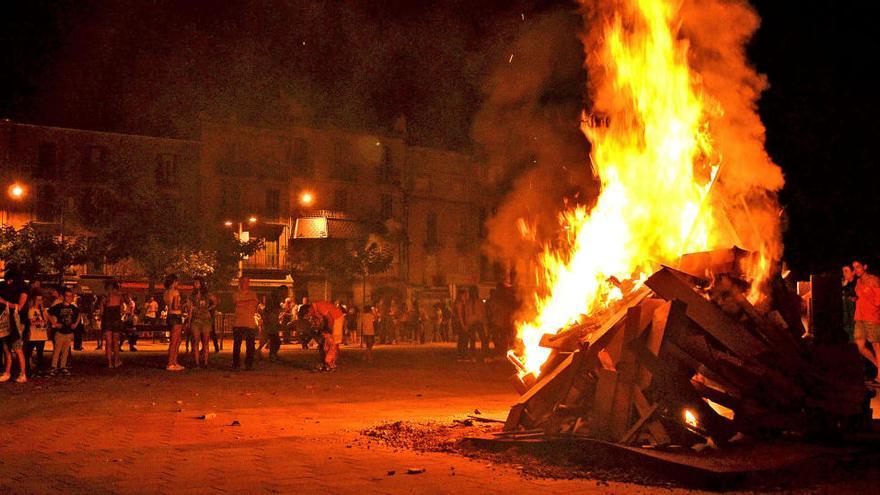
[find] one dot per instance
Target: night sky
(159, 67)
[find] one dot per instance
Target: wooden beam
(715, 262)
(598, 337)
(638, 424)
(569, 339)
(654, 340)
(627, 366)
(661, 437)
(706, 314)
(514, 417)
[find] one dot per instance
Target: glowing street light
(17, 191)
(306, 199)
(243, 236)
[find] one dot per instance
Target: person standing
(867, 314)
(13, 300)
(244, 327)
(151, 311)
(382, 325)
(351, 329)
(367, 330)
(471, 316)
(393, 321)
(64, 318)
(447, 326)
(174, 307)
(272, 319)
(37, 332)
(98, 326)
(203, 304)
(462, 316)
(436, 323)
(85, 301)
(111, 323)
(288, 315)
(11, 341)
(129, 321)
(305, 330)
(848, 291)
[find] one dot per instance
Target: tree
(132, 216)
(33, 252)
(372, 258)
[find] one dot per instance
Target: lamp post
(16, 192)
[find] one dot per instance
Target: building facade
(306, 191)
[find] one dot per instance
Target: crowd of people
(31, 316)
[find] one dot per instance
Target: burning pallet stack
(688, 359)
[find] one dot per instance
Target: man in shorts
(867, 316)
(367, 329)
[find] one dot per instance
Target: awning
(333, 228)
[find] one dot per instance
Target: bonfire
(664, 313)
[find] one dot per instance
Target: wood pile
(687, 360)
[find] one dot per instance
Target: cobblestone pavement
(137, 429)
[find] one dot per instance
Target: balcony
(270, 261)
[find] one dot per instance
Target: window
(482, 225)
(386, 172)
(340, 200)
(47, 161)
(299, 158)
(432, 238)
(229, 201)
(45, 206)
(386, 208)
(166, 169)
(342, 167)
(270, 248)
(273, 203)
(94, 164)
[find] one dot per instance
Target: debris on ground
(552, 461)
(415, 470)
(208, 416)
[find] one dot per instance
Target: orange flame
(654, 156)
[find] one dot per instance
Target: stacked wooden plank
(688, 359)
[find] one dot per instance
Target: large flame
(654, 155)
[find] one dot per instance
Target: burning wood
(669, 365)
(645, 328)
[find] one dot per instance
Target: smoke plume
(529, 145)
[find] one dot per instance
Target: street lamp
(306, 198)
(17, 191)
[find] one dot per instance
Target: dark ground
(359, 430)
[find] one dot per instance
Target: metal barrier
(222, 325)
